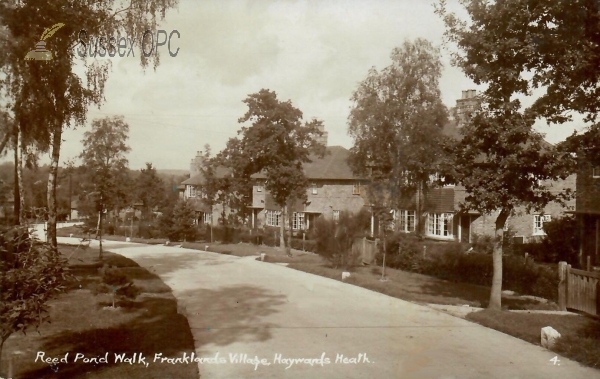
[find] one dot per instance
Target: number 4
(555, 360)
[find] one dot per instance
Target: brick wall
(588, 189)
(330, 196)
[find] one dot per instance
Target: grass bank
(580, 336)
(87, 324)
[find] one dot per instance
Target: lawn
(580, 336)
(87, 324)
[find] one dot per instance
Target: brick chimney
(466, 105)
(323, 138)
(195, 164)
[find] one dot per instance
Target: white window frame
(298, 221)
(336, 215)
(314, 189)
(440, 224)
(356, 189)
(191, 191)
(538, 224)
(407, 220)
(207, 218)
(273, 218)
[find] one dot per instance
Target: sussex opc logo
(40, 53)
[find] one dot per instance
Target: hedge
(519, 274)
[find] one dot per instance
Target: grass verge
(85, 324)
(580, 336)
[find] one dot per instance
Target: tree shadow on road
(231, 314)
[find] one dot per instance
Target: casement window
(207, 218)
(273, 218)
(406, 219)
(596, 172)
(538, 223)
(439, 224)
(336, 215)
(356, 189)
(192, 191)
(298, 221)
(313, 188)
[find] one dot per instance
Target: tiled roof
(198, 180)
(333, 165)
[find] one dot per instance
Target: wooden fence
(365, 249)
(578, 289)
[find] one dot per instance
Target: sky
(313, 53)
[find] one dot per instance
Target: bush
(117, 284)
(451, 263)
(402, 252)
(31, 273)
(306, 245)
(562, 240)
(334, 240)
(226, 234)
(483, 243)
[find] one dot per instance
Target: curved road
(239, 306)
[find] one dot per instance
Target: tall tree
(518, 46)
(507, 46)
(148, 189)
(396, 122)
(105, 147)
(503, 164)
(276, 143)
(47, 96)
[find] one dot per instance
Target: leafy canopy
(105, 147)
(396, 121)
(276, 143)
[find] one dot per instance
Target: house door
(465, 226)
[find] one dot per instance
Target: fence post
(303, 237)
(589, 265)
(562, 285)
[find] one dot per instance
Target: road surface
(250, 319)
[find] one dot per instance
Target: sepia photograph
(232, 189)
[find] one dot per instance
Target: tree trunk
(282, 230)
(16, 188)
(19, 207)
(496, 291)
(419, 211)
(100, 229)
(51, 195)
(288, 246)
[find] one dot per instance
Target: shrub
(117, 284)
(226, 234)
(31, 273)
(451, 263)
(334, 240)
(402, 252)
(561, 242)
(483, 243)
(177, 224)
(306, 245)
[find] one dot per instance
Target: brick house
(191, 190)
(441, 205)
(588, 211)
(333, 188)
